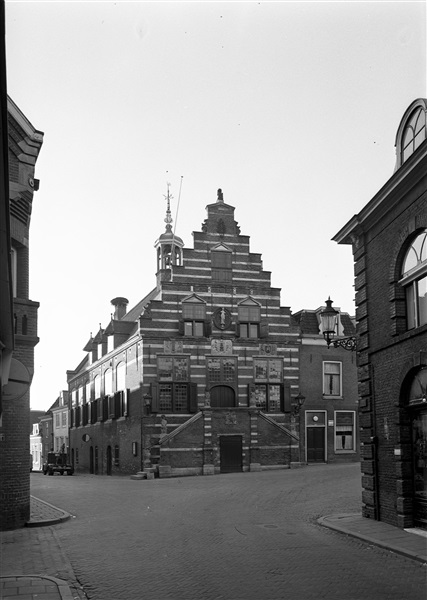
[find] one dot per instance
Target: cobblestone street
(248, 536)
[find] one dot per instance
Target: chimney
(120, 305)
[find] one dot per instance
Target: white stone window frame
(328, 395)
(340, 450)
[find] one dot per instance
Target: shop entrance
(419, 445)
(230, 447)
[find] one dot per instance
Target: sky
(291, 108)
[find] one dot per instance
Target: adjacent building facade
(389, 240)
(24, 144)
(202, 375)
(329, 417)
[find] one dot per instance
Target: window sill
(331, 397)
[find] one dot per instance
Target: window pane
(332, 379)
(165, 368)
(344, 431)
(410, 306)
(229, 368)
(274, 398)
(120, 376)
(422, 301)
(221, 259)
(253, 330)
(198, 329)
(261, 397)
(275, 370)
(108, 382)
(188, 327)
(243, 330)
(249, 313)
(193, 311)
(332, 367)
(97, 382)
(214, 369)
(165, 398)
(261, 369)
(180, 369)
(180, 398)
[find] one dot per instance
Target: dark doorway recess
(223, 396)
(315, 444)
(231, 453)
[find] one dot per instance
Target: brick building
(329, 422)
(60, 425)
(389, 240)
(199, 377)
(24, 144)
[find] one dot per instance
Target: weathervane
(168, 219)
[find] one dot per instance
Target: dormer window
(414, 280)
(414, 133)
(193, 316)
(249, 319)
(411, 132)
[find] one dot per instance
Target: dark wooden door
(315, 444)
(222, 396)
(230, 453)
(109, 460)
(91, 469)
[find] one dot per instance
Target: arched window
(121, 376)
(108, 382)
(413, 134)
(412, 131)
(97, 386)
(414, 280)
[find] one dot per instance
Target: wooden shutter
(181, 327)
(282, 398)
(263, 330)
(251, 392)
(105, 408)
(287, 398)
(207, 328)
(154, 397)
(193, 397)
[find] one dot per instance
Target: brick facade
(392, 351)
(209, 354)
(24, 147)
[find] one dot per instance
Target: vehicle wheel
(44, 472)
(50, 472)
(62, 472)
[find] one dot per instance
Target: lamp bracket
(348, 343)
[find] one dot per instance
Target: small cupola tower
(168, 247)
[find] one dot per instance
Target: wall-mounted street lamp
(300, 399)
(329, 318)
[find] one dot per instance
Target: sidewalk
(411, 543)
(14, 585)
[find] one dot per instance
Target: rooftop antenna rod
(174, 228)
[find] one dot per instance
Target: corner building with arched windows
(389, 240)
(201, 376)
